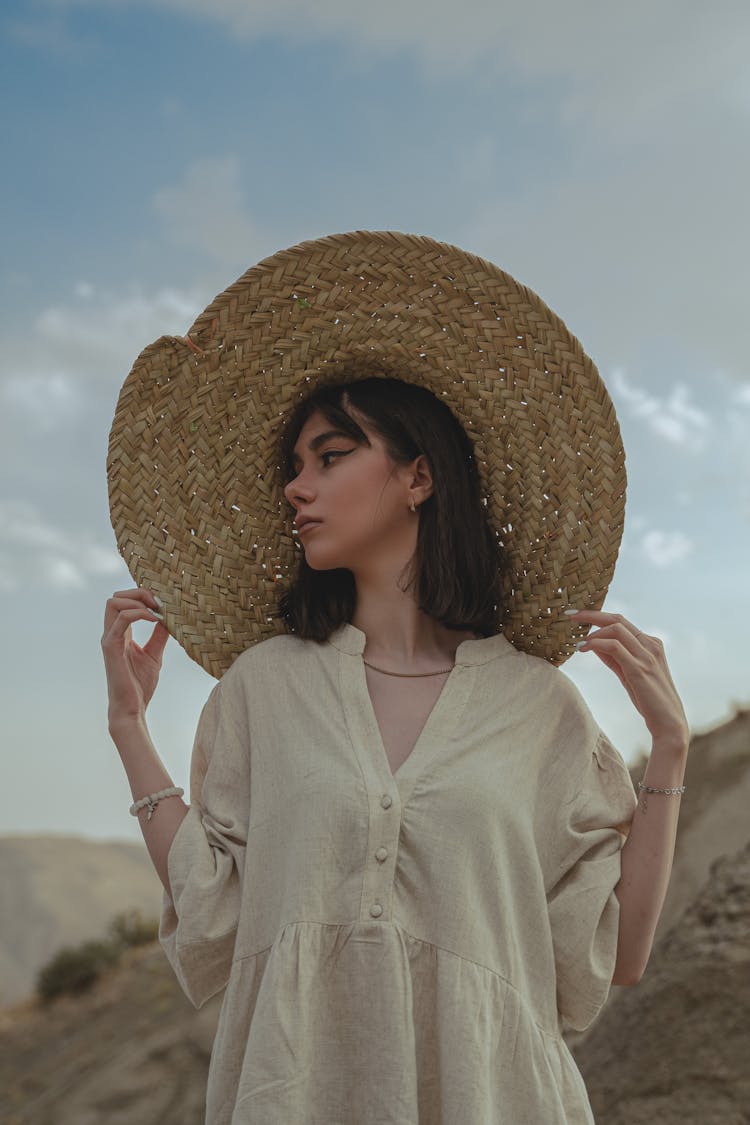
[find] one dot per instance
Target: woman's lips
(309, 526)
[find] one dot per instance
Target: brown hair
(459, 562)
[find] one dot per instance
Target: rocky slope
(674, 1048)
(133, 1051)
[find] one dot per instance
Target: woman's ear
(421, 475)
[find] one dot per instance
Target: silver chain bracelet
(153, 800)
(678, 791)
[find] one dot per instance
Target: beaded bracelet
(153, 800)
(678, 791)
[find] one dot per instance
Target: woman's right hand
(132, 671)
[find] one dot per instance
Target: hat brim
(196, 496)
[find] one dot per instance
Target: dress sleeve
(584, 911)
(205, 864)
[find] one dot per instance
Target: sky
(154, 151)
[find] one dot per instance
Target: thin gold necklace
(407, 675)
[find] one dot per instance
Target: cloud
(50, 35)
(206, 211)
(58, 391)
(109, 324)
(585, 173)
(665, 548)
(636, 62)
(673, 417)
(46, 401)
(61, 376)
(60, 370)
(35, 551)
(741, 395)
(634, 245)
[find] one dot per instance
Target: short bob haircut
(459, 562)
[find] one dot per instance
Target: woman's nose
(296, 491)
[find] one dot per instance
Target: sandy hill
(59, 891)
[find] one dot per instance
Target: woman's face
(360, 497)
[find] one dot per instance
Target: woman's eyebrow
(318, 441)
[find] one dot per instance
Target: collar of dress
(349, 639)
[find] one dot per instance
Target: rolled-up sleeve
(584, 911)
(206, 861)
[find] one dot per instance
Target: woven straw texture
(196, 496)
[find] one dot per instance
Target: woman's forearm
(647, 856)
(147, 774)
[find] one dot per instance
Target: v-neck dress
(397, 948)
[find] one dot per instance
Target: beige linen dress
(397, 949)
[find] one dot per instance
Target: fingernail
(158, 601)
(569, 611)
(580, 644)
(159, 615)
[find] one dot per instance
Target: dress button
(381, 854)
(386, 801)
(376, 910)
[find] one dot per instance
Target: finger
(614, 646)
(138, 592)
(154, 646)
(597, 617)
(122, 612)
(138, 596)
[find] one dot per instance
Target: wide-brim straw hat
(195, 491)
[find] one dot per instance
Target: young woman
(410, 855)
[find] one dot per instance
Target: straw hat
(196, 499)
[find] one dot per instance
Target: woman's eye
(328, 453)
(331, 453)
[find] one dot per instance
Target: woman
(409, 854)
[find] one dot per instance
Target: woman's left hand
(638, 660)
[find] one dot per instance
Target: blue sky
(154, 151)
